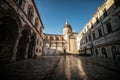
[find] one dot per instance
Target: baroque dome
(68, 26)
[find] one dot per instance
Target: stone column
(14, 50)
(33, 52)
(26, 51)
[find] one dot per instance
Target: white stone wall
(107, 40)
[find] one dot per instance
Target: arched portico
(8, 38)
(23, 46)
(32, 47)
(104, 52)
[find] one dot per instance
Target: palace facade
(20, 30)
(55, 44)
(101, 35)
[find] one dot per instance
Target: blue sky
(54, 13)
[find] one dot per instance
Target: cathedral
(65, 43)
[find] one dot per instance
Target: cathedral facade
(55, 44)
(20, 30)
(101, 35)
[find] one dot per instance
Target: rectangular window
(93, 36)
(87, 27)
(82, 33)
(97, 20)
(105, 13)
(91, 25)
(109, 27)
(85, 30)
(30, 15)
(100, 33)
(89, 38)
(21, 3)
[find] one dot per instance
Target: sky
(55, 13)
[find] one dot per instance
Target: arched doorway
(8, 35)
(115, 51)
(104, 52)
(64, 51)
(31, 52)
(23, 45)
(64, 48)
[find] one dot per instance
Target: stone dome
(67, 26)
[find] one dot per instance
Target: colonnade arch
(8, 35)
(104, 52)
(23, 45)
(32, 46)
(16, 42)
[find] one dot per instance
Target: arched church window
(30, 12)
(57, 38)
(62, 38)
(51, 38)
(36, 22)
(21, 3)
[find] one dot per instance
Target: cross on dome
(66, 22)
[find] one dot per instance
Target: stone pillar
(14, 50)
(33, 52)
(26, 51)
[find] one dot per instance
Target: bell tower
(67, 31)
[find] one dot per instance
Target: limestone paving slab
(28, 69)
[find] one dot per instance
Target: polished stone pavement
(65, 67)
